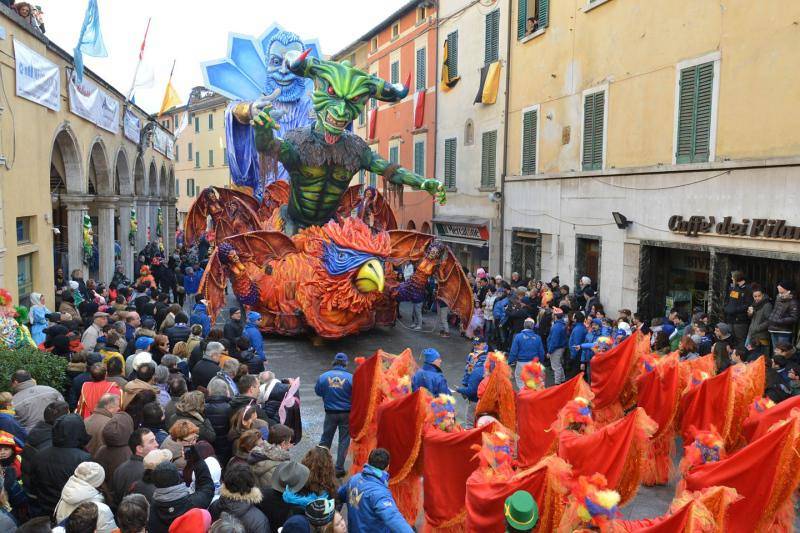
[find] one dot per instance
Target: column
(171, 221)
(153, 218)
(142, 210)
(105, 237)
(75, 212)
(124, 209)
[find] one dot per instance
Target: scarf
(8, 411)
(171, 494)
(301, 500)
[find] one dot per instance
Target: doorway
(587, 260)
(526, 254)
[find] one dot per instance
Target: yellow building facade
(56, 167)
(659, 112)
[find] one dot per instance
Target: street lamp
(621, 220)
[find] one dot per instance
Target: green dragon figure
(322, 158)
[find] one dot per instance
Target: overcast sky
(191, 32)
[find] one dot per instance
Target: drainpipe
(435, 109)
(505, 139)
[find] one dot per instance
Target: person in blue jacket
(335, 387)
(576, 338)
(252, 332)
(370, 505)
(191, 282)
(598, 345)
(499, 313)
(556, 344)
(200, 314)
(479, 347)
(526, 346)
(430, 376)
(470, 390)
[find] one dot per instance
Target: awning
(468, 242)
(466, 230)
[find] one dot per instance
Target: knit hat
(341, 358)
(521, 511)
(155, 458)
(148, 323)
(430, 355)
(233, 310)
(91, 473)
(141, 358)
(320, 512)
(787, 285)
(192, 521)
(296, 524)
(7, 439)
(725, 329)
(143, 343)
(166, 475)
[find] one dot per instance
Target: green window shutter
(211, 158)
(529, 133)
(177, 153)
(373, 179)
(593, 109)
(361, 118)
(421, 69)
(197, 124)
(197, 160)
(225, 156)
(491, 49)
(361, 176)
(694, 114)
(394, 154)
(210, 121)
(488, 159)
(189, 157)
(395, 72)
(177, 187)
(419, 158)
(450, 163)
(452, 54)
(522, 17)
(543, 13)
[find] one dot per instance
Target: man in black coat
(40, 437)
(205, 370)
(180, 331)
(234, 326)
(218, 411)
(738, 299)
(54, 465)
(172, 498)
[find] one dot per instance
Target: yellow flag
(171, 98)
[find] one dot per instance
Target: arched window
(469, 133)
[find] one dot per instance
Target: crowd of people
(32, 14)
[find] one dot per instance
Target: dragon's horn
(297, 64)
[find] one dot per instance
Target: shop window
(587, 260)
(488, 159)
(526, 254)
(593, 130)
(24, 276)
(694, 113)
(492, 42)
(24, 230)
(532, 15)
(450, 146)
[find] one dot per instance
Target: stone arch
(152, 179)
(426, 228)
(65, 158)
(99, 171)
(122, 174)
(411, 225)
(139, 181)
(162, 182)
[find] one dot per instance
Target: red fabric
(364, 390)
(675, 523)
(708, 404)
(658, 393)
(611, 371)
(419, 108)
(91, 393)
(448, 461)
(704, 364)
(606, 451)
(764, 472)
(756, 425)
(373, 121)
(536, 412)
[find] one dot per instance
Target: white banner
(87, 100)
(38, 79)
(163, 142)
(132, 126)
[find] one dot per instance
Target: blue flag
(90, 41)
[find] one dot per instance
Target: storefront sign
(132, 126)
(755, 228)
(38, 79)
(89, 101)
(478, 233)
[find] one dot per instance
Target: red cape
(708, 404)
(448, 460)
(611, 380)
(757, 424)
(765, 473)
(536, 412)
(658, 393)
(365, 399)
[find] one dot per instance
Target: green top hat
(521, 511)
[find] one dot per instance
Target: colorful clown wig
(760, 405)
(575, 415)
(443, 408)
(496, 454)
(603, 344)
(595, 504)
(532, 375)
(707, 447)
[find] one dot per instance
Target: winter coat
(335, 387)
(29, 401)
(192, 283)
(499, 309)
(200, 316)
(737, 301)
(277, 510)
(242, 506)
(240, 401)
(759, 322)
(263, 460)
(255, 365)
(558, 336)
(40, 437)
(516, 313)
(526, 346)
(470, 390)
(177, 333)
(370, 505)
(78, 491)
(55, 465)
(94, 427)
(207, 432)
(233, 329)
(163, 513)
(273, 402)
(218, 412)
(784, 314)
(203, 372)
(10, 424)
(430, 377)
(115, 449)
(252, 332)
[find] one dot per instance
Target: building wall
(395, 123)
(456, 109)
(29, 133)
(635, 53)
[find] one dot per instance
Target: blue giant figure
(255, 71)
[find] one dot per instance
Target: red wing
(349, 201)
(383, 216)
(408, 245)
(257, 247)
(276, 195)
(228, 195)
(196, 220)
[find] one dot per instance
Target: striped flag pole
(141, 56)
